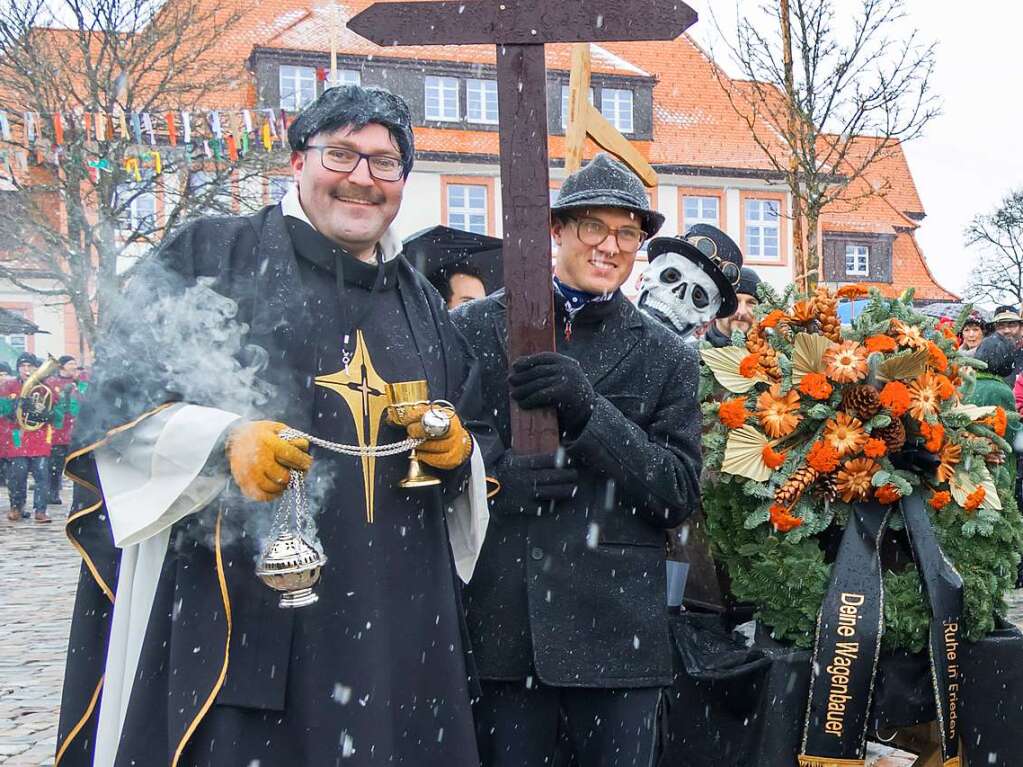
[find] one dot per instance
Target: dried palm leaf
(744, 454)
(724, 364)
(903, 367)
(808, 355)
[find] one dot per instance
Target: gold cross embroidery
(365, 393)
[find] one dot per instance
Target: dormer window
(442, 99)
(481, 101)
(297, 87)
(616, 106)
(857, 260)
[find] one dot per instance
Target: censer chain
(369, 451)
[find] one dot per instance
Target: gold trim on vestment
(497, 487)
(81, 723)
(227, 647)
(107, 591)
(829, 761)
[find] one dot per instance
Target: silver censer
(291, 562)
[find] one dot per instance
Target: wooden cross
(520, 29)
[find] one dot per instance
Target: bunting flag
(232, 148)
(86, 124)
(267, 137)
(100, 124)
(271, 120)
(30, 127)
(122, 124)
(147, 122)
(131, 165)
(247, 120)
(206, 148)
(245, 143)
(186, 127)
(136, 127)
(154, 161)
(5, 127)
(58, 128)
(215, 124)
(172, 131)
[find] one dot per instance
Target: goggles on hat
(709, 248)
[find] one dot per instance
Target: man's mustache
(360, 194)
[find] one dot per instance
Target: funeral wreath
(805, 417)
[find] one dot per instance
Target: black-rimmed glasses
(593, 232)
(339, 159)
(709, 248)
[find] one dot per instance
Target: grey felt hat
(606, 183)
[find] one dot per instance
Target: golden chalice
(405, 399)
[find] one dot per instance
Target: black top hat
(606, 183)
(729, 301)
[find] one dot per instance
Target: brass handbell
(403, 397)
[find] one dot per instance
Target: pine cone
(795, 486)
(757, 344)
(828, 487)
(862, 401)
(826, 306)
(894, 435)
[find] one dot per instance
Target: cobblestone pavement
(38, 573)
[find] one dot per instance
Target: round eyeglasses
(382, 167)
(593, 232)
(709, 248)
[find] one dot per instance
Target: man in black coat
(566, 609)
(719, 331)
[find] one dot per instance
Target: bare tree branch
(75, 225)
(998, 278)
(854, 98)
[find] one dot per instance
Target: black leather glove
(549, 379)
(530, 482)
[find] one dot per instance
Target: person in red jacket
(28, 451)
(67, 388)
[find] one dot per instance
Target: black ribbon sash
(849, 629)
(944, 589)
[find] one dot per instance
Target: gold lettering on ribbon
(951, 636)
(839, 669)
(365, 393)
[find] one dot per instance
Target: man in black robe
(566, 609)
(301, 314)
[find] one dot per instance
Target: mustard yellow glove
(447, 452)
(260, 460)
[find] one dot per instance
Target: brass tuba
(35, 403)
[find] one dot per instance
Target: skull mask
(676, 292)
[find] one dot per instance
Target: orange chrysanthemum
(933, 434)
(822, 457)
(936, 357)
(803, 312)
(772, 457)
(851, 292)
(908, 336)
(940, 500)
(750, 365)
(924, 399)
(875, 448)
(815, 385)
(778, 413)
(887, 494)
(997, 421)
(974, 499)
(895, 397)
(853, 480)
(846, 362)
(845, 433)
(782, 520)
(946, 389)
(881, 344)
(733, 412)
(772, 319)
(950, 456)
